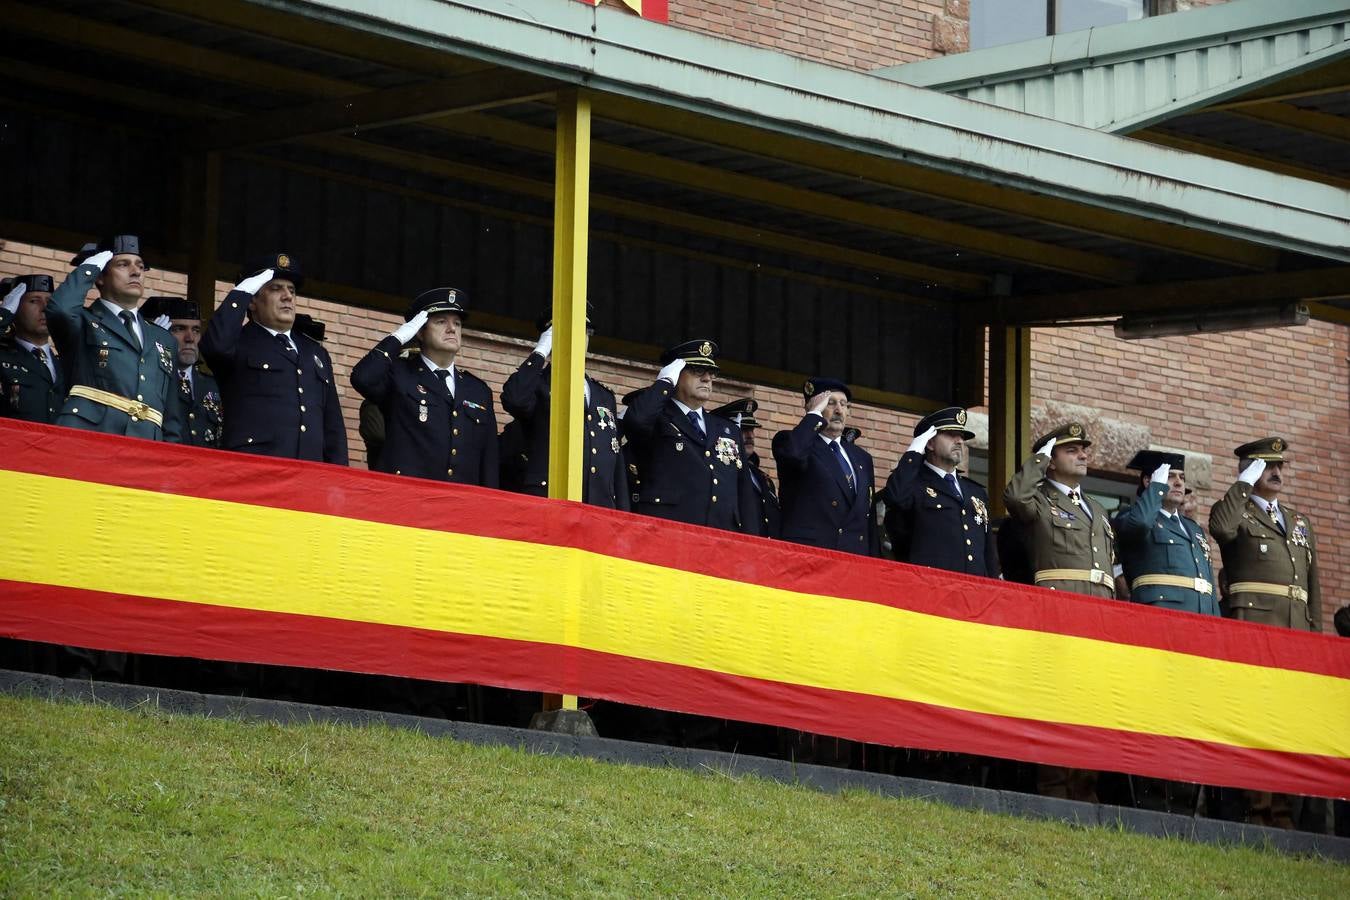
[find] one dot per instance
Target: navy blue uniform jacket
(527, 397)
(277, 403)
(685, 478)
(929, 525)
(428, 433)
(819, 509)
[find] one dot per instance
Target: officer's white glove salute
(545, 345)
(818, 408)
(1252, 473)
(251, 284)
(1160, 474)
(408, 330)
(98, 260)
(1047, 448)
(920, 443)
(163, 321)
(11, 302)
(671, 372)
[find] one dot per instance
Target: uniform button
(454, 452)
(1169, 540)
(543, 484)
(714, 481)
(142, 377)
(834, 502)
(234, 306)
(190, 415)
(298, 372)
(139, 397)
(707, 453)
(592, 433)
(454, 413)
(1094, 549)
(714, 499)
(588, 418)
(593, 472)
(656, 500)
(965, 527)
(302, 428)
(967, 542)
(74, 409)
(302, 407)
(970, 558)
(301, 390)
(250, 440)
(594, 451)
(449, 471)
(710, 467)
(841, 531)
(939, 506)
(265, 366)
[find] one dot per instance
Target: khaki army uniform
(1271, 575)
(1069, 553)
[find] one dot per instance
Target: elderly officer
(935, 516)
(199, 392)
(742, 412)
(526, 395)
(692, 463)
(438, 418)
(1165, 556)
(1269, 553)
(826, 488)
(121, 368)
(32, 385)
(280, 394)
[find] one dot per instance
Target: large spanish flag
(129, 545)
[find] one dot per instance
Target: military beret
(1068, 433)
(545, 319)
(742, 412)
(813, 387)
(851, 435)
(1148, 460)
(42, 284)
(119, 244)
(309, 326)
(173, 307)
(1271, 449)
(439, 300)
(698, 353)
(953, 418)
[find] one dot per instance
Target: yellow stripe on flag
(310, 564)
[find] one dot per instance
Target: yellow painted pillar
(1009, 406)
(571, 224)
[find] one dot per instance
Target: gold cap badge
(705, 349)
(961, 417)
(283, 261)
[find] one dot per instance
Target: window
(994, 22)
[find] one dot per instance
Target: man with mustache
(935, 516)
(278, 385)
(826, 486)
(691, 462)
(121, 368)
(199, 392)
(32, 385)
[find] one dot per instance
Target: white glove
(545, 345)
(251, 284)
(1252, 473)
(163, 321)
(408, 330)
(1161, 474)
(11, 302)
(920, 443)
(1047, 448)
(98, 260)
(671, 372)
(818, 408)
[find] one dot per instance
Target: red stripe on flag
(142, 625)
(391, 499)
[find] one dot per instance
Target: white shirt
(46, 354)
(1270, 508)
(689, 409)
(437, 370)
(135, 318)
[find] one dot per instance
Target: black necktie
(843, 463)
(285, 345)
(698, 426)
(955, 485)
(42, 358)
(449, 383)
(129, 319)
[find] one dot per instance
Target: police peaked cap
(698, 353)
(439, 300)
(819, 385)
(284, 266)
(1148, 460)
(742, 412)
(953, 418)
(118, 244)
(173, 307)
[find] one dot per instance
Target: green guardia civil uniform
(119, 384)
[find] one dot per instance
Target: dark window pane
(1075, 15)
(994, 22)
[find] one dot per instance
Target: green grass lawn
(96, 800)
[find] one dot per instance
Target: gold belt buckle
(1298, 593)
(138, 410)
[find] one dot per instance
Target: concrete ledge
(821, 778)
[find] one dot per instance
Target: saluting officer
(691, 462)
(199, 392)
(934, 515)
(1269, 553)
(826, 488)
(280, 394)
(1165, 555)
(1072, 544)
(742, 412)
(121, 368)
(438, 418)
(527, 396)
(32, 385)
